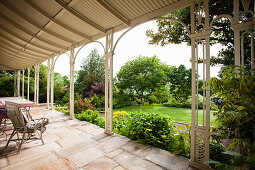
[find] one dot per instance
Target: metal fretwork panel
(109, 82)
(200, 46)
(200, 147)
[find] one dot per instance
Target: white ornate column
(109, 82)
(15, 83)
(243, 26)
(72, 62)
(236, 33)
(48, 84)
(52, 84)
(18, 83)
(35, 82)
(200, 49)
(28, 76)
(23, 78)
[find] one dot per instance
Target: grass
(176, 114)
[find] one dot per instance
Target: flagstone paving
(73, 144)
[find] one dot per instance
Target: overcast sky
(133, 44)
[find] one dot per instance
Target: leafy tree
(142, 76)
(235, 118)
(170, 32)
(6, 84)
(180, 83)
(92, 71)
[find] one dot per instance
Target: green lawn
(176, 114)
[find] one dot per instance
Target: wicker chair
(22, 125)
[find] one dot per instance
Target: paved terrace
(74, 144)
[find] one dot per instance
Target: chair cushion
(40, 124)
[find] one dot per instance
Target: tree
(180, 83)
(92, 71)
(142, 76)
(170, 32)
(6, 84)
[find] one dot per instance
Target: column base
(200, 166)
(108, 132)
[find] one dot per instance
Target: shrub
(81, 105)
(92, 117)
(148, 128)
(89, 116)
(182, 141)
(216, 153)
(120, 115)
(63, 110)
(97, 102)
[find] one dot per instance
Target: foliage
(148, 128)
(81, 105)
(172, 102)
(180, 83)
(170, 32)
(92, 71)
(120, 115)
(123, 98)
(216, 153)
(176, 114)
(98, 102)
(98, 89)
(236, 116)
(142, 76)
(6, 84)
(92, 117)
(64, 110)
(182, 141)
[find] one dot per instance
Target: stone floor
(74, 144)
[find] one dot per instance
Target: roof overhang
(32, 31)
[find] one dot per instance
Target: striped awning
(31, 31)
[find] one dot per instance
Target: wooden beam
(26, 40)
(28, 19)
(80, 16)
(38, 9)
(113, 11)
(31, 34)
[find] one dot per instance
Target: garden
(151, 99)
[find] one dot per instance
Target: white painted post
(15, 83)
(72, 83)
(109, 82)
(35, 81)
(28, 76)
(52, 83)
(200, 134)
(252, 51)
(23, 78)
(48, 84)
(18, 83)
(38, 78)
(193, 141)
(236, 34)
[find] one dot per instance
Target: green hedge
(92, 117)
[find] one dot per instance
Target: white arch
(85, 45)
(167, 18)
(222, 16)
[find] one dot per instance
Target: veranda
(35, 31)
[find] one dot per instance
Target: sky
(133, 44)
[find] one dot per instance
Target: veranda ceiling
(33, 30)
